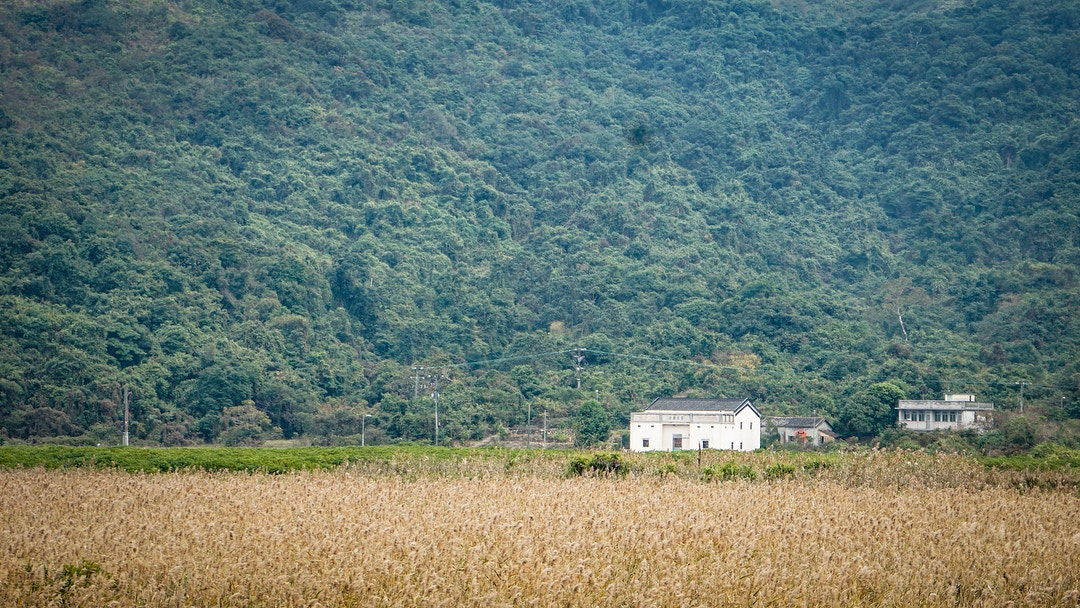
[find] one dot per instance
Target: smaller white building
(803, 430)
(675, 423)
(956, 412)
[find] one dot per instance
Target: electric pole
(435, 396)
(528, 427)
(416, 381)
(1021, 383)
(579, 364)
(127, 415)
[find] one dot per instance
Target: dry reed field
(350, 537)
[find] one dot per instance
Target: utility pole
(579, 364)
(416, 380)
(528, 428)
(1021, 383)
(127, 415)
(435, 395)
(545, 429)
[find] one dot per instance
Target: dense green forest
(264, 216)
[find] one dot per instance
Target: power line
(487, 362)
(782, 373)
(675, 361)
(984, 382)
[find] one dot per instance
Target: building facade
(803, 430)
(956, 413)
(675, 423)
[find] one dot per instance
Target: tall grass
(870, 529)
(1052, 467)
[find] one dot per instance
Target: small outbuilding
(677, 423)
(803, 430)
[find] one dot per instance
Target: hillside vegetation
(260, 216)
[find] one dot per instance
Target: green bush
(605, 465)
(819, 463)
(779, 470)
(728, 471)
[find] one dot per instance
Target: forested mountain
(261, 215)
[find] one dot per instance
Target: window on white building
(740, 426)
(676, 442)
(740, 445)
(644, 443)
(704, 444)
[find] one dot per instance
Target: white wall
(746, 431)
(707, 431)
(653, 431)
(965, 419)
(813, 436)
(719, 435)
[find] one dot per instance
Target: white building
(956, 412)
(690, 424)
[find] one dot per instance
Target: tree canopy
(291, 206)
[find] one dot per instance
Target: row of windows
(920, 416)
(677, 443)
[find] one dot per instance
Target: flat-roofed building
(956, 412)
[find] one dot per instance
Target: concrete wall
(813, 435)
(965, 419)
(746, 432)
(660, 429)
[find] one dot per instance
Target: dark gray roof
(799, 422)
(681, 404)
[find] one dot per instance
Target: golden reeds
(348, 537)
